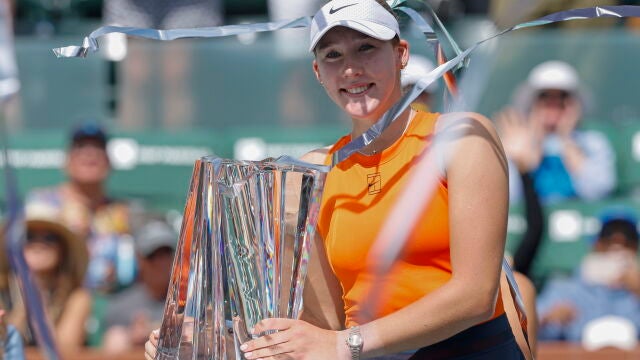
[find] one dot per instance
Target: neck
(92, 195)
(390, 135)
(46, 280)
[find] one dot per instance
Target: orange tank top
(358, 195)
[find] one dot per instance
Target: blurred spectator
(10, 341)
(540, 136)
(507, 13)
(607, 283)
(163, 14)
(132, 314)
(418, 67)
(88, 211)
(171, 64)
(291, 43)
(57, 259)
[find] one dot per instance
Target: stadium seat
(571, 226)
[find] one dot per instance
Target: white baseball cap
(365, 16)
(614, 331)
(554, 74)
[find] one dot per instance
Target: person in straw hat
(57, 259)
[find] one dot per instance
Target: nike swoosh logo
(333, 11)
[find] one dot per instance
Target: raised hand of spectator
(630, 278)
(570, 117)
(561, 314)
(521, 139)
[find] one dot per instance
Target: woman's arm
(478, 204)
(70, 329)
(477, 182)
(323, 305)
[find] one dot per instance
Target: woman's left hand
(295, 339)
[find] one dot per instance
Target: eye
(332, 54)
(365, 47)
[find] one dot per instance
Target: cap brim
(369, 28)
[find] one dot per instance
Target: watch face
(354, 340)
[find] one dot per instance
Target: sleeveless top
(358, 195)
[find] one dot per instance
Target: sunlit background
(166, 104)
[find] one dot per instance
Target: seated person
(57, 259)
(606, 283)
(134, 312)
(10, 341)
(541, 136)
(86, 208)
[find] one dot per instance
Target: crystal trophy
(242, 253)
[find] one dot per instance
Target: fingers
(153, 337)
(149, 350)
(509, 120)
(270, 345)
(278, 351)
(272, 324)
(150, 347)
(265, 341)
(287, 356)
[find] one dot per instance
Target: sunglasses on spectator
(43, 237)
(554, 95)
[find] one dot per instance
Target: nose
(352, 68)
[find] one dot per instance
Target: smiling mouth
(358, 89)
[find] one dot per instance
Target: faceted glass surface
(242, 253)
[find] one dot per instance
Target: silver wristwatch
(354, 342)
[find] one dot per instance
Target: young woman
(442, 294)
(57, 258)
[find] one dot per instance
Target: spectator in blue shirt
(606, 283)
(541, 136)
(11, 341)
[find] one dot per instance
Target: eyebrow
(323, 44)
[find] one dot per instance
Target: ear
(403, 53)
(316, 71)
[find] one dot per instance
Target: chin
(91, 179)
(370, 113)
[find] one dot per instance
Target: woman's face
(359, 73)
(43, 251)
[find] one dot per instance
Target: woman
(57, 259)
(446, 281)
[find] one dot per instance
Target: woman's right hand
(151, 345)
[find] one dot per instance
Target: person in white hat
(541, 136)
(441, 297)
(417, 68)
(133, 312)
